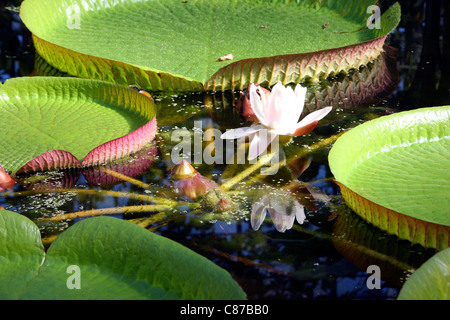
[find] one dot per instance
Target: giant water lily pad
(178, 45)
(112, 258)
(51, 123)
(394, 172)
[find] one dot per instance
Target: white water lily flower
(278, 115)
(282, 208)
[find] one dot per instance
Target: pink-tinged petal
(305, 129)
(292, 110)
(244, 106)
(6, 182)
(122, 146)
(51, 160)
(283, 109)
(260, 141)
(258, 104)
(240, 132)
(274, 108)
(264, 97)
(294, 105)
(314, 116)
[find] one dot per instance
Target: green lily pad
(431, 281)
(52, 123)
(178, 45)
(113, 259)
(394, 172)
(21, 253)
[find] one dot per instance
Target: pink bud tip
(183, 170)
(6, 182)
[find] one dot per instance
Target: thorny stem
(117, 210)
(125, 178)
(116, 194)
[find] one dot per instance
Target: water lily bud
(189, 183)
(6, 182)
(244, 106)
(217, 200)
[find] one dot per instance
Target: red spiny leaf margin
(295, 68)
(105, 153)
(51, 160)
(123, 146)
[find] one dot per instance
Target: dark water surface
(326, 257)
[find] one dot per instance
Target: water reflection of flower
(282, 208)
(285, 205)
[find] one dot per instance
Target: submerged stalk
(125, 178)
(247, 172)
(116, 194)
(117, 210)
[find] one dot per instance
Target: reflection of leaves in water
(46, 204)
(49, 180)
(361, 89)
(173, 109)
